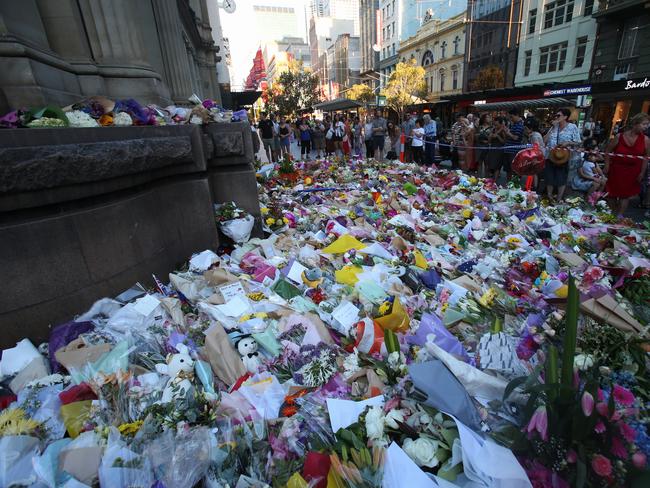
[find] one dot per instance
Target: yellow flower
(581, 239)
(473, 180)
(285, 220)
(383, 179)
(384, 308)
(465, 202)
(487, 298)
(130, 429)
(467, 213)
(264, 210)
(15, 422)
(270, 221)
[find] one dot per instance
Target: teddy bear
(180, 369)
(247, 348)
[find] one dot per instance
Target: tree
(404, 86)
(361, 93)
(293, 91)
(488, 78)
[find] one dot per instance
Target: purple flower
(539, 422)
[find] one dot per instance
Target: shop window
(630, 42)
(527, 62)
(589, 7)
(552, 58)
(581, 51)
(557, 13)
(532, 20)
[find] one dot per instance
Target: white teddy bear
(180, 369)
(247, 347)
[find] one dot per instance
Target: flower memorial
(392, 326)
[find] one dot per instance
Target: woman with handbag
(626, 170)
(560, 139)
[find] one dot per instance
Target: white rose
(375, 423)
(583, 362)
(122, 119)
(422, 451)
(393, 417)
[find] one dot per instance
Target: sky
(239, 28)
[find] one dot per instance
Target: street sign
(381, 101)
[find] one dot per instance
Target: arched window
(454, 77)
(442, 80)
(412, 56)
(456, 45)
(443, 49)
(427, 58)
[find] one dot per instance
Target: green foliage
(294, 90)
(405, 85)
(361, 93)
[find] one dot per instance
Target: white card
(146, 305)
(346, 314)
(295, 273)
(236, 307)
(344, 413)
(231, 290)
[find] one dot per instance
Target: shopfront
(619, 100)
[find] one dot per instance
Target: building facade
(370, 47)
(156, 52)
(439, 47)
(492, 41)
(557, 42)
(620, 73)
(347, 62)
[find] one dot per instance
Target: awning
(338, 104)
(245, 98)
(534, 103)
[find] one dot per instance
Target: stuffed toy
(180, 369)
(247, 348)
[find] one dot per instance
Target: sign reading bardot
(572, 90)
(637, 84)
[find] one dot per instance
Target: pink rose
(623, 396)
(639, 460)
(601, 465)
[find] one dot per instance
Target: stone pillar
(113, 33)
(175, 59)
(65, 30)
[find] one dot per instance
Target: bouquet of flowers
(234, 222)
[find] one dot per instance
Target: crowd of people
(484, 145)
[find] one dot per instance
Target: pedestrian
(407, 129)
(483, 142)
(458, 131)
(305, 139)
(395, 144)
(339, 132)
(626, 171)
(285, 138)
(589, 127)
(598, 131)
(367, 136)
(378, 135)
(346, 143)
(417, 142)
(534, 136)
(357, 137)
(514, 140)
(496, 140)
(318, 138)
(276, 137)
(430, 133)
(267, 131)
(589, 177)
(566, 135)
(329, 136)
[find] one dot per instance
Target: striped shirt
(517, 131)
